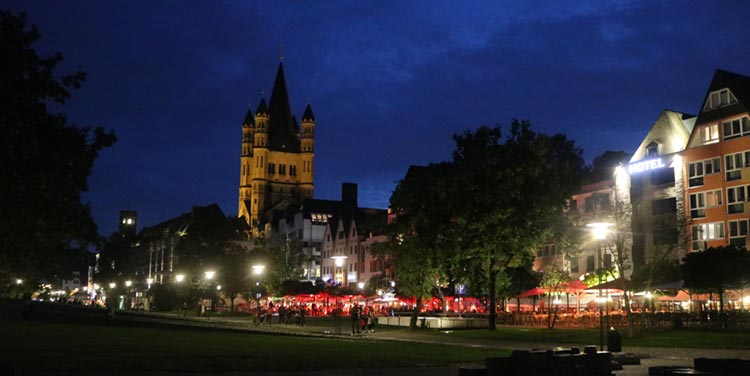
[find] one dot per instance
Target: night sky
(389, 81)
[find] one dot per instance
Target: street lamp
(128, 283)
(258, 269)
(600, 230)
(149, 281)
(210, 274)
(179, 278)
(338, 260)
(19, 282)
(112, 285)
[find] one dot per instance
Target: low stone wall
(436, 322)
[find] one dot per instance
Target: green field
(40, 347)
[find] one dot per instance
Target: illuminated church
(277, 161)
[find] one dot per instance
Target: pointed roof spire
(308, 115)
(249, 118)
(262, 108)
(281, 132)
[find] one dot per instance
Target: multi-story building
(650, 192)
(304, 227)
(716, 166)
(276, 165)
(348, 238)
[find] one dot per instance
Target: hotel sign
(647, 165)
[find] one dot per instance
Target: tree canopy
(480, 215)
(46, 160)
(716, 270)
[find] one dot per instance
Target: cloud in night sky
(390, 82)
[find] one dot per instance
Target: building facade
(716, 166)
(277, 160)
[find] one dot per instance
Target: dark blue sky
(389, 82)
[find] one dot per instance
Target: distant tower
(276, 165)
(128, 222)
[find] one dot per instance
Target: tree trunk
(415, 314)
(628, 313)
(493, 287)
(231, 302)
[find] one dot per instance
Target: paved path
(650, 356)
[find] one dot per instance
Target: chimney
(349, 194)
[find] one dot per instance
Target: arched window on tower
(652, 150)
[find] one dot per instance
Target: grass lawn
(692, 338)
(41, 347)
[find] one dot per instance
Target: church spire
(278, 107)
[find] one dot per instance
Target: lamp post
(599, 231)
(179, 278)
(19, 282)
(258, 271)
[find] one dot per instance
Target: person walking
(354, 314)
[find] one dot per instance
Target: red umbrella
(574, 286)
(533, 292)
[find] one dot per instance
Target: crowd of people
(363, 319)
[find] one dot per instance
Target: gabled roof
(671, 131)
(738, 84)
(281, 134)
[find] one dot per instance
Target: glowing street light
(600, 230)
(179, 278)
(19, 281)
(128, 283)
(360, 285)
(258, 269)
(149, 281)
(112, 285)
(210, 274)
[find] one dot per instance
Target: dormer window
(652, 150)
(719, 98)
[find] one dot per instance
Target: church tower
(276, 164)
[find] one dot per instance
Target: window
(733, 163)
(271, 168)
(698, 205)
(664, 206)
(738, 232)
(292, 170)
(589, 204)
(652, 150)
(589, 264)
(282, 169)
(709, 134)
(719, 98)
(736, 127)
(607, 261)
(736, 198)
(341, 234)
(574, 265)
(573, 205)
(696, 170)
(706, 231)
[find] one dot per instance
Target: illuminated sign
(648, 165)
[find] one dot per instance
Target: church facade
(277, 161)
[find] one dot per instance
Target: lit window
(709, 134)
(706, 231)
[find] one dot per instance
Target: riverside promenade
(650, 356)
